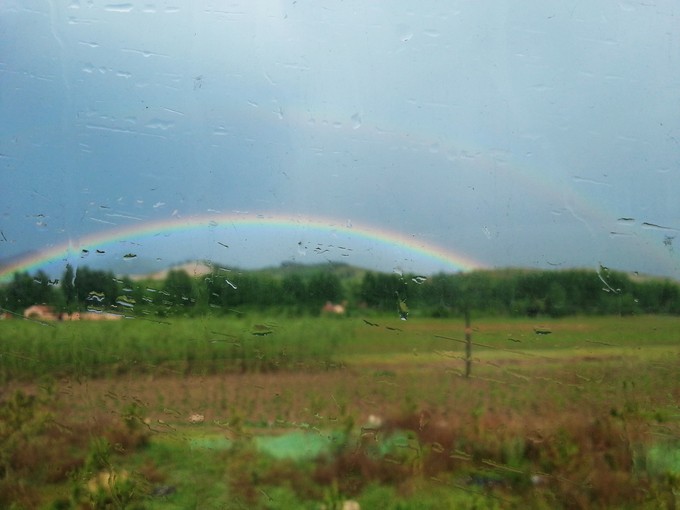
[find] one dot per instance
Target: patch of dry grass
(555, 425)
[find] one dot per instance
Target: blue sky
(515, 134)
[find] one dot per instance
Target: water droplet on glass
(356, 121)
(668, 242)
(438, 448)
(161, 124)
(402, 307)
(405, 33)
(118, 7)
(96, 296)
(129, 303)
(261, 330)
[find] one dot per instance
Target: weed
(556, 424)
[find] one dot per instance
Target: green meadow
(258, 411)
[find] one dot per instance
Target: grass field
(271, 412)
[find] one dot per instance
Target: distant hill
(199, 268)
(340, 269)
(195, 268)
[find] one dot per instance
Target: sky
(429, 136)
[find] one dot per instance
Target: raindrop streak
(261, 330)
(231, 284)
(607, 288)
(161, 124)
(402, 307)
(118, 7)
(96, 296)
(125, 303)
(668, 242)
(657, 227)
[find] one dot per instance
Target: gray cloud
(518, 135)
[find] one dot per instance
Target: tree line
(510, 292)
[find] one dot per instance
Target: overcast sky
(534, 133)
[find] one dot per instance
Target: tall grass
(207, 345)
(29, 350)
(585, 417)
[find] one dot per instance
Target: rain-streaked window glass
(340, 255)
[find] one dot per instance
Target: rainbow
(245, 231)
(390, 247)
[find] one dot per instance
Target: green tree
(378, 290)
(178, 289)
(95, 288)
(440, 294)
(131, 298)
(68, 288)
(324, 286)
(294, 292)
(669, 298)
(556, 301)
(25, 290)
